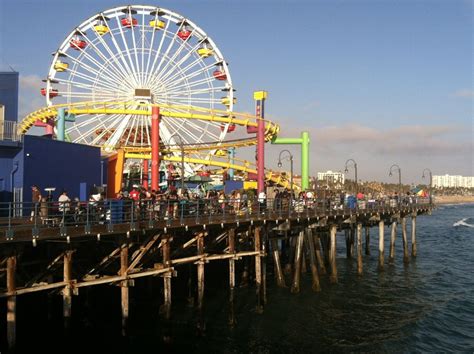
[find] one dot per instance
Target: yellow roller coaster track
(177, 112)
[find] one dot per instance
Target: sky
(382, 82)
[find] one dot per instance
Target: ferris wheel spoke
(197, 83)
(136, 56)
(162, 76)
(178, 71)
(102, 84)
(118, 70)
(90, 88)
(133, 70)
(165, 55)
(181, 45)
(203, 129)
(151, 70)
(187, 77)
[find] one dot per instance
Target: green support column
(61, 123)
(304, 142)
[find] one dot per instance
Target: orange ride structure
(143, 82)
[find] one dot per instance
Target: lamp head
(390, 174)
(279, 163)
(423, 175)
(346, 170)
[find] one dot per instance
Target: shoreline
(454, 199)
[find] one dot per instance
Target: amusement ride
(131, 79)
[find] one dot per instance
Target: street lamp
(291, 166)
(431, 180)
(399, 180)
(181, 145)
(355, 171)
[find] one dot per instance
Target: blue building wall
(53, 163)
(9, 94)
(7, 171)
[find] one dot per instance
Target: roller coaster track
(176, 112)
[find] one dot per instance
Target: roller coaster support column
(145, 174)
(304, 142)
(231, 152)
(155, 147)
(61, 123)
(260, 97)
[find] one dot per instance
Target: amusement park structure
(132, 79)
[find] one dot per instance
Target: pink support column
(145, 174)
(155, 148)
(260, 97)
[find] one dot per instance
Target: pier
(137, 242)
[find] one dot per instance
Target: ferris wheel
(140, 54)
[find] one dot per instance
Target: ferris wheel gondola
(141, 54)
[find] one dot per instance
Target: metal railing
(8, 131)
(171, 211)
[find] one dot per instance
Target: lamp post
(399, 180)
(431, 181)
(181, 145)
(355, 171)
(291, 167)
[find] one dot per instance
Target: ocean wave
(463, 222)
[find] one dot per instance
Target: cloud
(30, 98)
(464, 93)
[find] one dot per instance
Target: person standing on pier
(35, 200)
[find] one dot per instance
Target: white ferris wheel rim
(125, 65)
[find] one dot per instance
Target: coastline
(454, 199)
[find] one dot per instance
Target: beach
(454, 199)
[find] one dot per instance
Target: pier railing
(36, 216)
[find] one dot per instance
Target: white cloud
(30, 97)
(464, 93)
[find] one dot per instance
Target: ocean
(424, 306)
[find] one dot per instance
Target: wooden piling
(280, 279)
(67, 291)
(258, 269)
(413, 235)
(359, 249)
(405, 240)
(166, 249)
(348, 243)
(312, 259)
(332, 255)
(291, 253)
(231, 235)
(352, 236)
(264, 264)
(11, 302)
(124, 290)
(367, 240)
(200, 281)
(295, 286)
(393, 235)
(381, 244)
(319, 257)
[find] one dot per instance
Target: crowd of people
(141, 203)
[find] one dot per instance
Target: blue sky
(382, 82)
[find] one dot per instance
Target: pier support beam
(166, 248)
(295, 286)
(405, 240)
(312, 259)
(348, 243)
(393, 235)
(413, 235)
(319, 256)
(200, 281)
(381, 244)
(359, 249)
(124, 290)
(277, 263)
(231, 235)
(332, 254)
(11, 302)
(67, 291)
(352, 237)
(258, 268)
(367, 240)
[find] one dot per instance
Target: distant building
(9, 95)
(8, 105)
(455, 181)
(331, 177)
